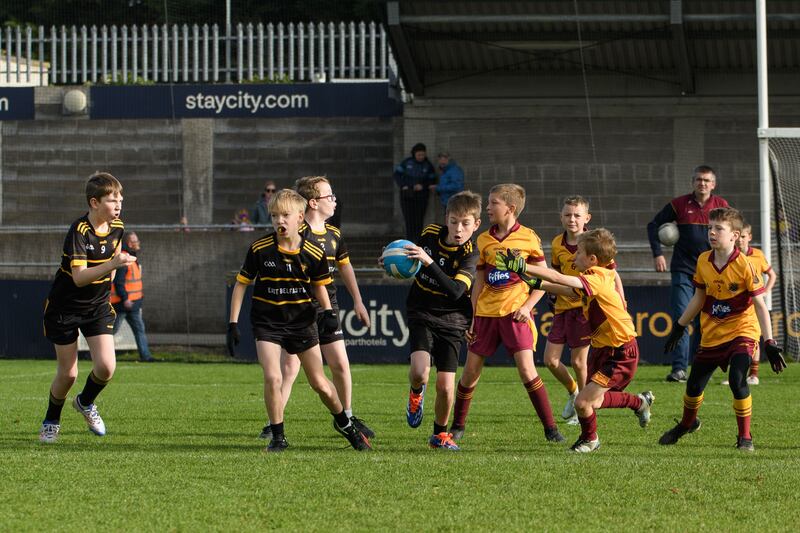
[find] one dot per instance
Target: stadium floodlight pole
(228, 41)
(763, 124)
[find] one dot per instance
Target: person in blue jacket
(451, 179)
(415, 177)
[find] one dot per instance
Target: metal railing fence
(294, 52)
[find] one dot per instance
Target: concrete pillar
(198, 170)
(688, 142)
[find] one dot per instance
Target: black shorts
(337, 335)
(62, 328)
(293, 341)
(443, 344)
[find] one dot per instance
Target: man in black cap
(415, 176)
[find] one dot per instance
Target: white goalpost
(779, 187)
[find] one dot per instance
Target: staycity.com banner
(373, 99)
(16, 103)
(386, 338)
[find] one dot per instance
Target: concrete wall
(206, 169)
(630, 160)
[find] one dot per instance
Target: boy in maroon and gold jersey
(502, 304)
(728, 296)
(614, 355)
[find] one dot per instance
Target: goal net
(784, 152)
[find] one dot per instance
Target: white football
(668, 234)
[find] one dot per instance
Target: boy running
(570, 326)
(502, 305)
(321, 205)
(288, 272)
(440, 310)
(79, 300)
(729, 297)
(615, 353)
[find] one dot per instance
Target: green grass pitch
(182, 454)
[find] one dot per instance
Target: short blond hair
(599, 243)
(287, 200)
(576, 201)
(307, 186)
(101, 184)
(465, 203)
(728, 214)
(512, 194)
(747, 227)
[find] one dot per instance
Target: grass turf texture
(182, 454)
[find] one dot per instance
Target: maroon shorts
(613, 368)
(571, 328)
(721, 355)
(490, 331)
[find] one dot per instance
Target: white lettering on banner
(242, 100)
(385, 323)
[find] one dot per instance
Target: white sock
(349, 413)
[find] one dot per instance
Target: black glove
(674, 337)
(232, 338)
(776, 360)
(327, 322)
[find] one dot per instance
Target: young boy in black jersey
(440, 310)
(321, 205)
(79, 300)
(288, 271)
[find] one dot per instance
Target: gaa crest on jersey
(733, 287)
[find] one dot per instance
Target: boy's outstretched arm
(679, 326)
(776, 360)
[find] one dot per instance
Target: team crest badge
(733, 287)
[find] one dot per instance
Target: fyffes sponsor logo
(720, 310)
(499, 277)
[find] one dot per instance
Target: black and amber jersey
(282, 294)
(83, 246)
(335, 250)
(426, 299)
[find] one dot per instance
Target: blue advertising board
(386, 338)
(245, 101)
(16, 103)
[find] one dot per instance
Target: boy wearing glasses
(259, 214)
(321, 205)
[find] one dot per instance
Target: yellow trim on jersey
(432, 229)
(437, 293)
(290, 252)
(267, 278)
(314, 250)
(77, 263)
(82, 228)
(243, 280)
(464, 279)
(101, 281)
(326, 281)
(344, 261)
(334, 229)
(273, 302)
(262, 243)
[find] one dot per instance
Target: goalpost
(779, 185)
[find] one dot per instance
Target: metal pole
(763, 143)
(228, 41)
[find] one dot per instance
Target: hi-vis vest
(133, 284)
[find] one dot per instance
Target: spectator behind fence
(259, 214)
(690, 212)
(416, 177)
(241, 221)
(127, 292)
(451, 179)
